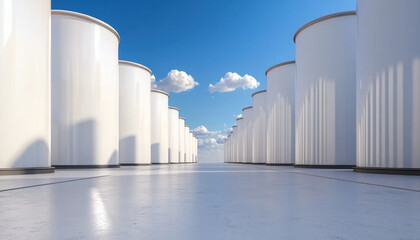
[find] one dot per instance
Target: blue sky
(207, 39)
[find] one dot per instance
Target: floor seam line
(358, 182)
(52, 183)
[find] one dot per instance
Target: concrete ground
(209, 201)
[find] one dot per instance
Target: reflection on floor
(209, 201)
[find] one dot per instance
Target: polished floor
(209, 201)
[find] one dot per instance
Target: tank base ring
(279, 164)
(135, 164)
(397, 171)
(85, 166)
(324, 166)
(19, 171)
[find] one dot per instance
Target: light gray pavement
(209, 201)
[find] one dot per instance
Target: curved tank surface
(84, 91)
(326, 92)
(388, 86)
(25, 125)
(134, 113)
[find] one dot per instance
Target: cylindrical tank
(247, 134)
(195, 150)
(159, 117)
(240, 139)
(326, 92)
(181, 140)
(235, 144)
(134, 113)
(259, 129)
(173, 137)
(388, 86)
(84, 91)
(281, 80)
(187, 155)
(229, 157)
(192, 147)
(231, 147)
(25, 142)
(227, 149)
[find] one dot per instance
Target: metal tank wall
(240, 139)
(25, 143)
(231, 146)
(247, 133)
(173, 135)
(229, 157)
(84, 91)
(234, 144)
(181, 140)
(281, 80)
(187, 156)
(196, 149)
(225, 151)
(159, 127)
(192, 147)
(259, 128)
(190, 142)
(388, 86)
(325, 92)
(134, 113)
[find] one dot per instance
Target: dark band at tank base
(324, 166)
(19, 171)
(85, 166)
(396, 171)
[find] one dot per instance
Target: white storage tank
(134, 113)
(388, 86)
(195, 150)
(159, 136)
(181, 140)
(229, 156)
(173, 137)
(84, 91)
(25, 142)
(192, 147)
(281, 80)
(247, 134)
(190, 139)
(235, 144)
(231, 146)
(259, 129)
(187, 156)
(325, 92)
(240, 139)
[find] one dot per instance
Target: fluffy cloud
(210, 144)
(176, 81)
(202, 131)
(228, 130)
(232, 81)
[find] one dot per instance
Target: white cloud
(229, 130)
(210, 144)
(153, 79)
(239, 116)
(221, 138)
(202, 131)
(232, 81)
(176, 81)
